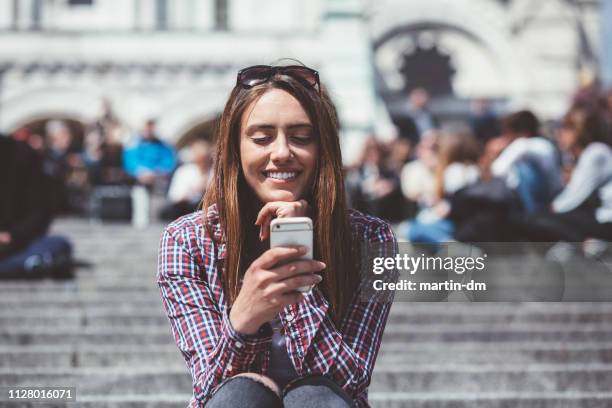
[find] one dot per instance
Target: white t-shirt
(459, 175)
(188, 184)
(593, 172)
(418, 183)
(538, 149)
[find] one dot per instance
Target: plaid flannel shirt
(190, 281)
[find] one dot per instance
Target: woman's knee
(263, 380)
(246, 390)
(315, 391)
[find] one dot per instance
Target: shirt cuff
(247, 344)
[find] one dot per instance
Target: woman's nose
(280, 150)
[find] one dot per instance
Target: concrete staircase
(106, 334)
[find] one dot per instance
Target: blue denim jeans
(44, 256)
(533, 186)
(306, 392)
(435, 232)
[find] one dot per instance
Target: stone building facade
(176, 59)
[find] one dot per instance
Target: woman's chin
(281, 195)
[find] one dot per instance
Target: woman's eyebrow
(299, 125)
(266, 126)
(259, 126)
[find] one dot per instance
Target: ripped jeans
(307, 392)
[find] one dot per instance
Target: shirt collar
(214, 223)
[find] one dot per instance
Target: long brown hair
(333, 242)
(589, 126)
(456, 146)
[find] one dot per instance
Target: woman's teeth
(282, 175)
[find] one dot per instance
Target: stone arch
(37, 126)
(181, 115)
(201, 130)
(483, 21)
(31, 105)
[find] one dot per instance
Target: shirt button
(289, 318)
(229, 370)
(238, 344)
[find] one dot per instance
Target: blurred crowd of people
(107, 156)
(106, 174)
(492, 179)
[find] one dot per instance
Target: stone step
(126, 356)
(73, 295)
(490, 400)
(534, 378)
(154, 314)
(76, 321)
(71, 298)
(503, 335)
(395, 333)
(87, 291)
(468, 353)
(120, 356)
(467, 346)
(87, 335)
(432, 379)
(377, 400)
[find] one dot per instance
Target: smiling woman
(249, 337)
(278, 148)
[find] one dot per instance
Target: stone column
(15, 15)
(37, 14)
(606, 42)
(348, 70)
(137, 14)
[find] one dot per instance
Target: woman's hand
(267, 288)
(280, 209)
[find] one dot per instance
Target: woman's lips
(281, 177)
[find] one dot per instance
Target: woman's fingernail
(319, 278)
(322, 265)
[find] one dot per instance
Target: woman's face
(566, 138)
(278, 147)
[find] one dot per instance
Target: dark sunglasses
(258, 74)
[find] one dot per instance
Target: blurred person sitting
(456, 168)
(583, 209)
(65, 168)
(35, 140)
(418, 176)
(103, 153)
(529, 163)
(419, 118)
(189, 182)
(25, 215)
(609, 109)
(149, 160)
(372, 186)
(400, 153)
(589, 94)
(483, 121)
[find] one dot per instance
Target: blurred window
(80, 2)
(36, 14)
(161, 15)
(221, 14)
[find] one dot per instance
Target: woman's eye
(261, 139)
(302, 139)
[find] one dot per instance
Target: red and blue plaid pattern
(189, 278)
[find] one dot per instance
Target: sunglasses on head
(258, 74)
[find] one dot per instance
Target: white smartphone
(293, 231)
